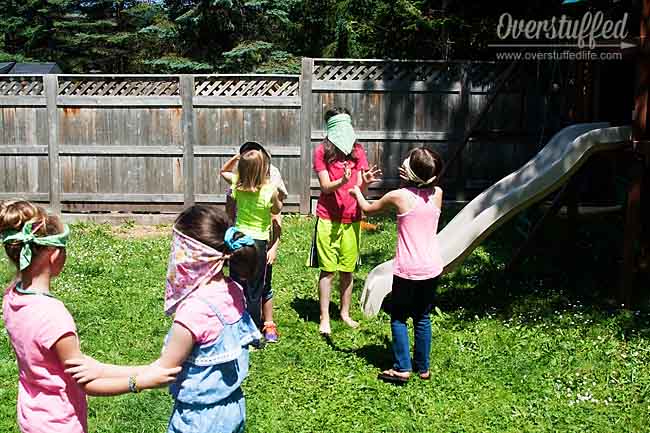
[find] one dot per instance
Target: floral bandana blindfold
(192, 263)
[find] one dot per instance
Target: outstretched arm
(386, 202)
(105, 379)
(228, 170)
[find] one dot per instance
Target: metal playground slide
(546, 172)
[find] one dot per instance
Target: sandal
(425, 375)
(392, 376)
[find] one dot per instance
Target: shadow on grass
(378, 355)
(308, 309)
(554, 275)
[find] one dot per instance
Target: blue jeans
(414, 299)
(257, 289)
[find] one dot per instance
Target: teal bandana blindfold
(27, 237)
(341, 133)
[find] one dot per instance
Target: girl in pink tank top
(417, 263)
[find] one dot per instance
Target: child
(417, 262)
(340, 164)
(274, 174)
(211, 331)
(43, 333)
(257, 200)
(270, 328)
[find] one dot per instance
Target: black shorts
(412, 298)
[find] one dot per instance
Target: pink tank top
(418, 254)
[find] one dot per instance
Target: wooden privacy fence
(155, 143)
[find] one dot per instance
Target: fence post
(306, 111)
(51, 88)
(187, 96)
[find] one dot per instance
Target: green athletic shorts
(338, 245)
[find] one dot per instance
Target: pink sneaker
(270, 331)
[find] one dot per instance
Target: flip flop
(425, 376)
(391, 377)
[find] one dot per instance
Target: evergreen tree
(28, 28)
(104, 35)
(185, 36)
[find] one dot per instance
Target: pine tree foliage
(207, 36)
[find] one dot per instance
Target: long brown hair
(14, 214)
(332, 153)
(208, 224)
(425, 163)
(253, 171)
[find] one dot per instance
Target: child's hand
(372, 175)
(347, 173)
(355, 191)
(271, 255)
(282, 196)
(85, 369)
(402, 173)
(156, 376)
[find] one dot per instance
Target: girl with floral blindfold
(212, 330)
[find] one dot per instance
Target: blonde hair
(253, 171)
(14, 214)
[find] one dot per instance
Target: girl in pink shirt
(211, 329)
(43, 333)
(340, 164)
(417, 263)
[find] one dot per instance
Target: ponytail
(243, 253)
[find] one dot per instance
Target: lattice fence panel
(247, 86)
(118, 86)
(21, 86)
(377, 71)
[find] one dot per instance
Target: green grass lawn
(526, 353)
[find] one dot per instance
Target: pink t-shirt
(197, 316)
(339, 206)
(417, 256)
(49, 400)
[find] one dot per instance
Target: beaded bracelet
(133, 386)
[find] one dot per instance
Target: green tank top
(254, 210)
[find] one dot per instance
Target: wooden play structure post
(636, 242)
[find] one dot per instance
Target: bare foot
(351, 323)
(324, 328)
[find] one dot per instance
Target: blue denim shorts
(226, 416)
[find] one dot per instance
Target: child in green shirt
(258, 202)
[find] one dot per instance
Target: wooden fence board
(127, 135)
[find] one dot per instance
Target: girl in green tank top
(256, 199)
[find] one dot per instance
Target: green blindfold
(27, 237)
(341, 133)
